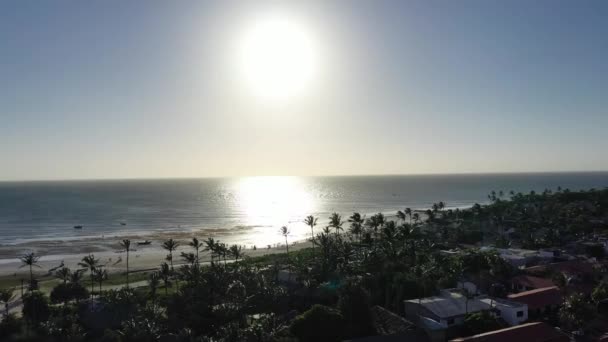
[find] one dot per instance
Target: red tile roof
(572, 267)
(529, 332)
(532, 282)
(539, 298)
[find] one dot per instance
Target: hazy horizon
(565, 172)
(119, 90)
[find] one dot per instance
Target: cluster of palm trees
(97, 271)
(217, 251)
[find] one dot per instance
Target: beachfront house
(451, 306)
(525, 282)
(539, 301)
(519, 258)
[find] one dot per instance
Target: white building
(451, 306)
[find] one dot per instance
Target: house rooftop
(452, 303)
(389, 323)
(538, 298)
(569, 267)
(532, 281)
(500, 303)
(529, 332)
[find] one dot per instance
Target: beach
(107, 249)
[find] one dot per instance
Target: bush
(36, 307)
(9, 326)
(320, 323)
(354, 305)
(595, 251)
(575, 312)
(67, 292)
(600, 292)
(479, 323)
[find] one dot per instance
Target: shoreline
(55, 253)
(70, 250)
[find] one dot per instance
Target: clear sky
(123, 89)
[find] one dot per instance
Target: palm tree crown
(64, 274)
(236, 252)
(170, 245)
(196, 244)
(31, 260)
(285, 232)
(335, 222)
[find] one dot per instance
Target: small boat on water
(123, 224)
(77, 227)
(143, 243)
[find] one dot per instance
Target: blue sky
(123, 89)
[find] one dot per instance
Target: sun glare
(278, 57)
(273, 200)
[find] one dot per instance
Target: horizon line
(472, 173)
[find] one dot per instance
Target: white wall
(509, 314)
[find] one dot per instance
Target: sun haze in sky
(97, 89)
(277, 57)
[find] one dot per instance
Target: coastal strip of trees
(325, 292)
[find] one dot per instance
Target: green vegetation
(329, 289)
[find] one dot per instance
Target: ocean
(249, 210)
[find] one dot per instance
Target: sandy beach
(109, 252)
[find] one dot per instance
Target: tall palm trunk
(312, 238)
(127, 268)
(287, 246)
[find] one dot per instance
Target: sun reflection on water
(274, 202)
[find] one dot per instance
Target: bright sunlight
(278, 57)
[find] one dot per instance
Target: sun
(278, 57)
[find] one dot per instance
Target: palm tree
(126, 244)
(6, 295)
(211, 247)
(153, 282)
(222, 251)
(311, 221)
(285, 232)
(401, 215)
(170, 245)
(375, 222)
(64, 274)
(189, 258)
(235, 251)
(335, 222)
(100, 274)
(408, 212)
(165, 275)
(89, 262)
(416, 217)
(76, 276)
(441, 205)
(31, 260)
(196, 245)
(356, 225)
